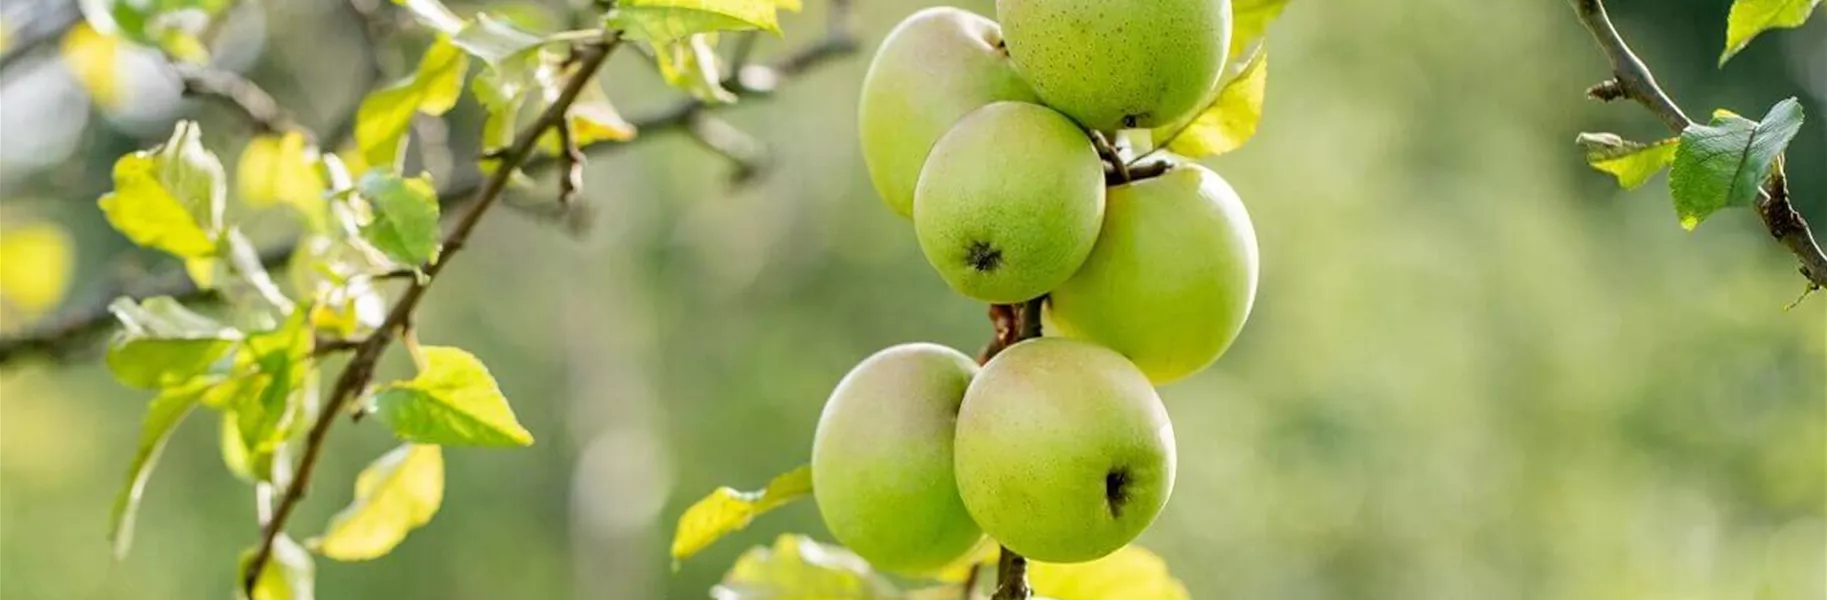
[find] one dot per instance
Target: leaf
(35, 260)
(494, 40)
(162, 344)
(289, 573)
(170, 197)
(433, 14)
(727, 511)
(592, 117)
(163, 415)
(385, 115)
(1752, 17)
(453, 401)
(1130, 573)
(1633, 163)
(394, 495)
(1723, 164)
(797, 567)
(690, 64)
(266, 407)
(282, 169)
(662, 21)
(94, 59)
(172, 26)
(405, 225)
(1232, 118)
(1250, 21)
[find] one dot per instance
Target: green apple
(1119, 64)
(882, 459)
(1010, 202)
(1064, 452)
(935, 67)
(1172, 278)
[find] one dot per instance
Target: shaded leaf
(393, 495)
(453, 401)
(1130, 573)
(290, 573)
(1633, 163)
(663, 21)
(94, 59)
(1723, 164)
(1752, 17)
(35, 259)
(282, 169)
(727, 510)
(170, 197)
(162, 344)
(797, 567)
(163, 415)
(1232, 118)
(385, 115)
(405, 219)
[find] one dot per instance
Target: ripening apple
(882, 459)
(1009, 202)
(1172, 277)
(1064, 452)
(935, 67)
(1118, 64)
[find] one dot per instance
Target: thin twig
(357, 373)
(1631, 79)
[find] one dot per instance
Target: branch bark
(1632, 79)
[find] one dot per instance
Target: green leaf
(394, 495)
(494, 40)
(690, 64)
(385, 115)
(405, 225)
(453, 401)
(162, 344)
(1232, 118)
(282, 169)
(1250, 21)
(726, 511)
(163, 415)
(797, 567)
(1723, 164)
(289, 573)
(1752, 17)
(1130, 573)
(170, 197)
(268, 402)
(433, 14)
(662, 21)
(1633, 163)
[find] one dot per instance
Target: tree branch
(1011, 577)
(1632, 79)
(360, 370)
(236, 92)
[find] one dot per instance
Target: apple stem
(1012, 577)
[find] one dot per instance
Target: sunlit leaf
(172, 26)
(1232, 118)
(289, 575)
(1723, 164)
(690, 64)
(592, 117)
(170, 197)
(385, 115)
(162, 344)
(405, 224)
(433, 14)
(453, 401)
(727, 510)
(394, 495)
(494, 40)
(94, 59)
(35, 259)
(1131, 573)
(1633, 163)
(797, 567)
(269, 402)
(1752, 17)
(282, 169)
(662, 21)
(162, 417)
(1250, 21)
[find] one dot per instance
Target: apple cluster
(988, 137)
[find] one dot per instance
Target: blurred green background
(1476, 369)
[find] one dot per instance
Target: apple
(1010, 202)
(1064, 452)
(1172, 278)
(1119, 64)
(935, 67)
(882, 459)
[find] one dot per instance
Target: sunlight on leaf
(433, 14)
(454, 401)
(162, 344)
(690, 65)
(727, 510)
(797, 567)
(494, 40)
(1723, 164)
(174, 27)
(385, 115)
(405, 224)
(1752, 17)
(282, 169)
(1131, 573)
(269, 404)
(1250, 21)
(162, 417)
(94, 59)
(1633, 163)
(35, 260)
(171, 197)
(662, 21)
(394, 495)
(289, 574)
(1232, 118)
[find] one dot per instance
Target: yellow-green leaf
(405, 224)
(453, 401)
(433, 14)
(792, 5)
(385, 115)
(289, 574)
(162, 417)
(94, 58)
(282, 169)
(394, 495)
(1752, 17)
(1131, 573)
(727, 510)
(170, 197)
(690, 64)
(162, 344)
(1633, 163)
(35, 263)
(662, 21)
(797, 567)
(1232, 118)
(1250, 21)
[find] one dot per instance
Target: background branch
(232, 90)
